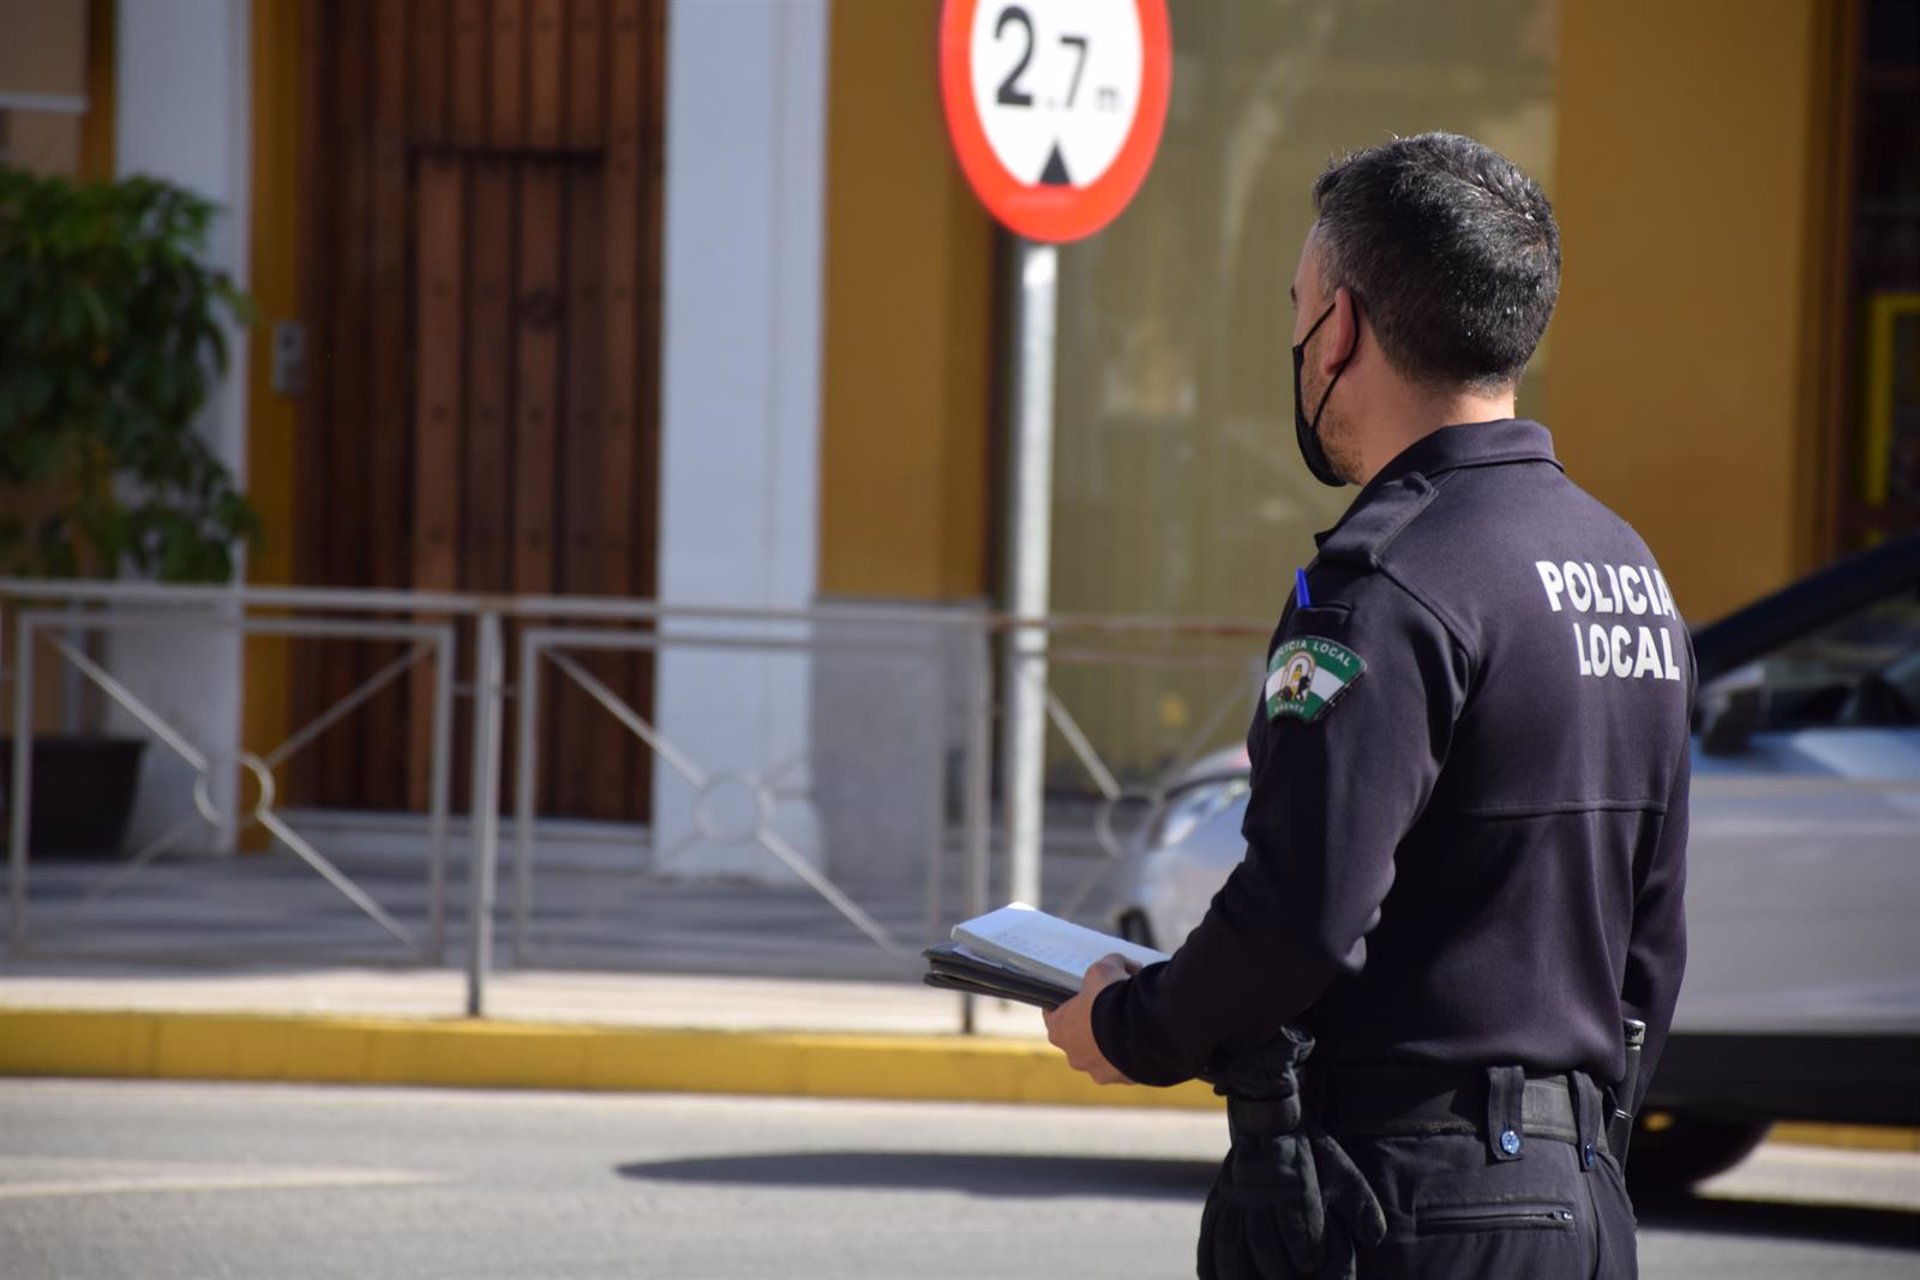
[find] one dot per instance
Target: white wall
(183, 113)
(740, 412)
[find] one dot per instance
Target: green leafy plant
(111, 337)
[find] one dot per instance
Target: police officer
(1467, 830)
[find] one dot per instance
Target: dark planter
(82, 794)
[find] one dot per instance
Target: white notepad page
(1045, 945)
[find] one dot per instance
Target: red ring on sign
(1054, 214)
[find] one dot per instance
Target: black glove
(1288, 1203)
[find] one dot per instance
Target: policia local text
(1616, 650)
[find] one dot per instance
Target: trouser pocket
(1499, 1215)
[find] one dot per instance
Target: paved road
(158, 1181)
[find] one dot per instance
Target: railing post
(72, 682)
(979, 782)
(525, 796)
(440, 787)
(20, 797)
(488, 696)
(942, 650)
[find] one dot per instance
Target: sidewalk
(254, 970)
(671, 1001)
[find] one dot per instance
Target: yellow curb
(484, 1053)
(494, 1054)
(1858, 1137)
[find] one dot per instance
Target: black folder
(952, 967)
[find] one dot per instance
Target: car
(1802, 994)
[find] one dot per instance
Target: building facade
(687, 299)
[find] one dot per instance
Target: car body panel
(1803, 877)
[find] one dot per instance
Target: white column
(740, 412)
(183, 113)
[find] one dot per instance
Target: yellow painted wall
(907, 411)
(274, 284)
(1691, 152)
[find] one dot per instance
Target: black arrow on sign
(1055, 174)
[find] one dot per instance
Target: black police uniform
(1465, 857)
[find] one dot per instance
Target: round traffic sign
(1055, 106)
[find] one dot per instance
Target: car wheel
(1135, 929)
(1672, 1151)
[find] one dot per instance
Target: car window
(1861, 669)
(1186, 809)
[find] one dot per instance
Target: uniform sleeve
(1657, 954)
(1331, 800)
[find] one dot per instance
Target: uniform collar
(1469, 444)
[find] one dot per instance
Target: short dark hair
(1452, 251)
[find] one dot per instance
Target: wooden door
(484, 307)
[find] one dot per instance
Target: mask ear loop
(1313, 424)
(1302, 344)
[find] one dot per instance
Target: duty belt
(1501, 1104)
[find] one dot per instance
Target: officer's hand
(1070, 1027)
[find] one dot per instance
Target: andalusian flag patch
(1308, 675)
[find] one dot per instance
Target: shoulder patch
(1366, 534)
(1307, 675)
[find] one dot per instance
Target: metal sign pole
(1029, 563)
(1054, 149)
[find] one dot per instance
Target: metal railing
(558, 645)
(942, 681)
(1227, 659)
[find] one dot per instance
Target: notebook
(1019, 953)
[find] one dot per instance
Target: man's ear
(1344, 342)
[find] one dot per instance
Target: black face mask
(1308, 432)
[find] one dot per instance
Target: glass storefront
(1177, 486)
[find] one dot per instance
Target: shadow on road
(982, 1174)
(1009, 1175)
(1834, 1223)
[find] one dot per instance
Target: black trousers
(1457, 1212)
